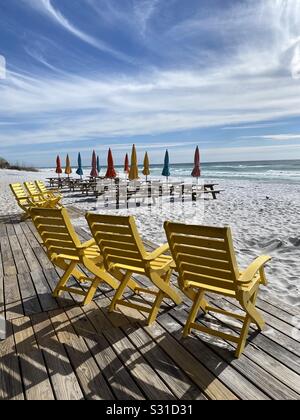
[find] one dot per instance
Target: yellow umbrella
(146, 170)
(134, 171)
(68, 169)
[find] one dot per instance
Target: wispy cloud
(144, 11)
(2, 67)
(254, 126)
(46, 7)
(201, 69)
(275, 137)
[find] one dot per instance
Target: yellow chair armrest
(87, 244)
(158, 252)
(257, 265)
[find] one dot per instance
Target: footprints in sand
(295, 241)
(272, 245)
(276, 244)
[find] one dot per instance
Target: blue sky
(84, 74)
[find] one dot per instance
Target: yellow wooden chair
(206, 262)
(65, 250)
(124, 253)
(53, 193)
(34, 191)
(26, 201)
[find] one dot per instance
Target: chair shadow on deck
(95, 349)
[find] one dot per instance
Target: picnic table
(210, 189)
(59, 182)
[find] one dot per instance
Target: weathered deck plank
(56, 349)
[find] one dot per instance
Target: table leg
(211, 189)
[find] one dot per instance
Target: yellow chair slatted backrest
(42, 187)
(32, 189)
(118, 240)
(19, 191)
(204, 255)
(56, 231)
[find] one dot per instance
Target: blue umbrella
(79, 170)
(166, 169)
(98, 165)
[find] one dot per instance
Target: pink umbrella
(111, 173)
(94, 172)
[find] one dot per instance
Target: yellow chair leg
(165, 287)
(251, 312)
(155, 308)
(101, 273)
(120, 276)
(64, 280)
(91, 292)
(120, 291)
(194, 312)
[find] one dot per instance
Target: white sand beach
(260, 225)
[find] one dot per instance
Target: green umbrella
(166, 168)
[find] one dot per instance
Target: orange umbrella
(196, 171)
(111, 173)
(58, 166)
(68, 169)
(126, 164)
(94, 172)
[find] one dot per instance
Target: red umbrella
(94, 172)
(58, 166)
(111, 173)
(196, 171)
(126, 164)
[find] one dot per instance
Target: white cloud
(256, 84)
(254, 126)
(144, 11)
(46, 7)
(276, 137)
(2, 67)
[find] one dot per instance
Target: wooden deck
(58, 350)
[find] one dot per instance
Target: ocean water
(285, 171)
(268, 171)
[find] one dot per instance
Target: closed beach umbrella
(68, 169)
(111, 173)
(196, 171)
(126, 164)
(98, 165)
(134, 171)
(94, 172)
(166, 169)
(146, 170)
(58, 166)
(79, 170)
